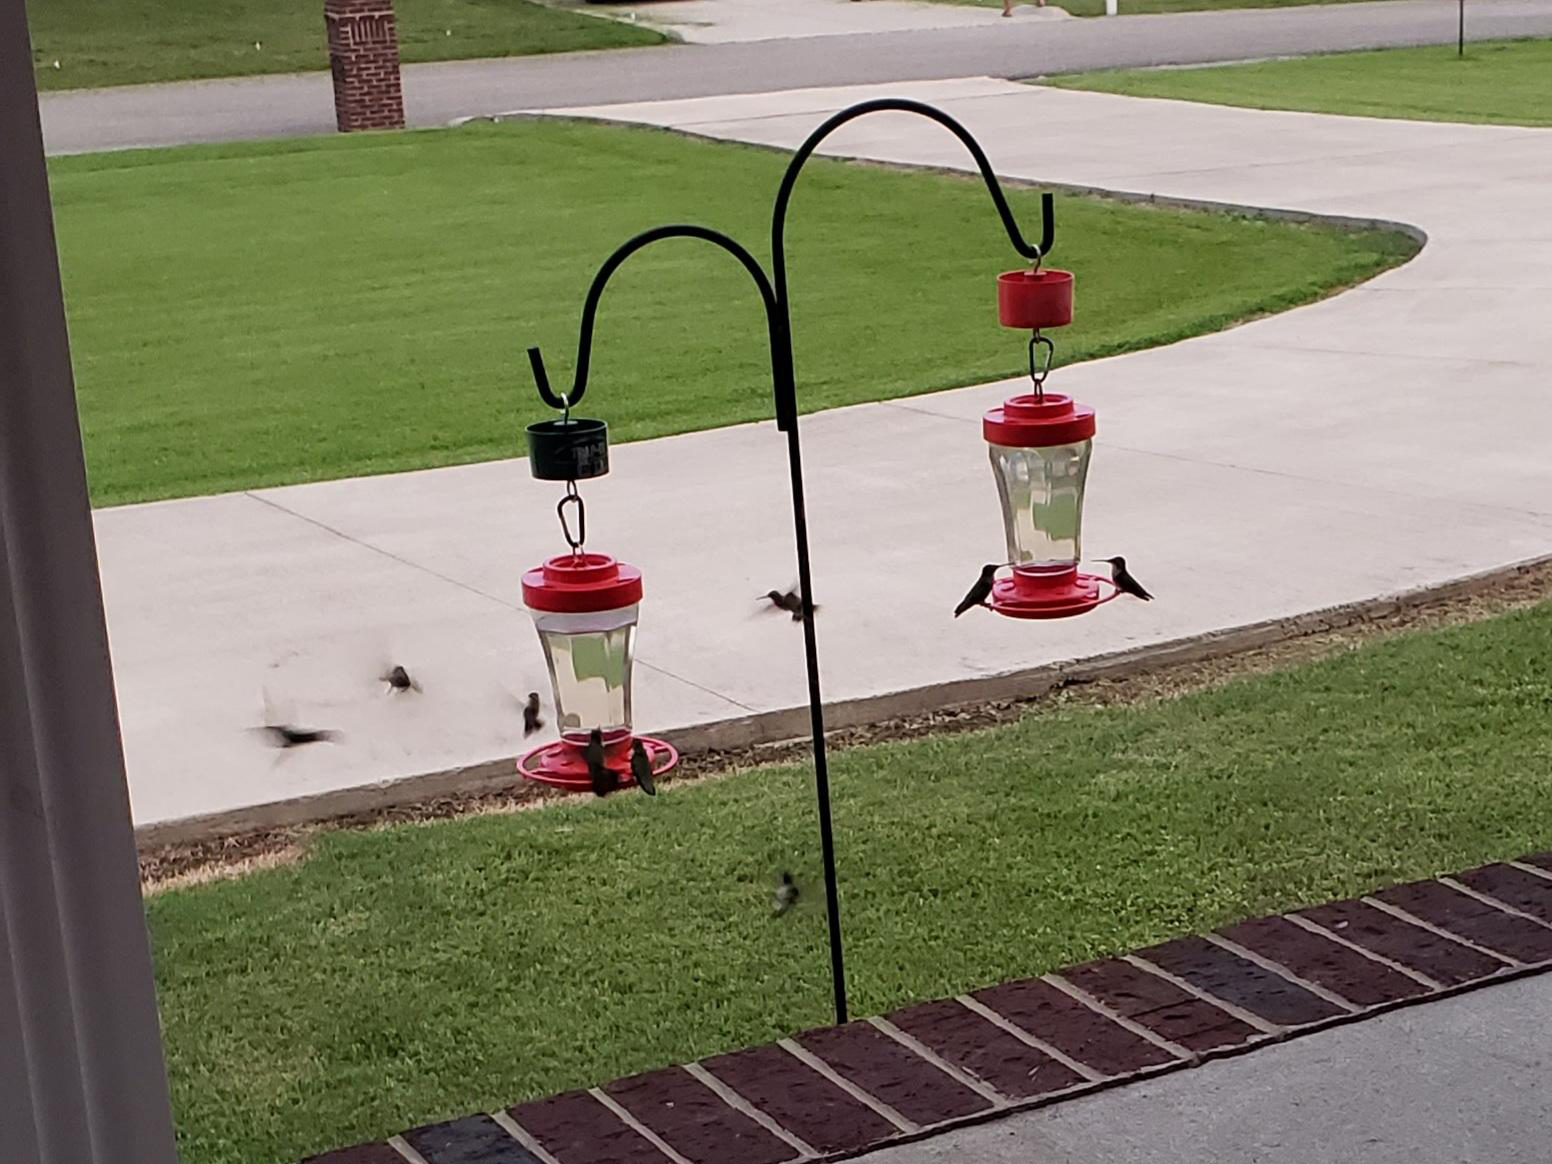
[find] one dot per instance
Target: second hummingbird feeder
(585, 607)
(1040, 445)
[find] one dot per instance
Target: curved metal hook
(780, 358)
(1031, 251)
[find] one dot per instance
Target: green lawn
(1502, 82)
(259, 314)
(427, 971)
(125, 42)
(1139, 7)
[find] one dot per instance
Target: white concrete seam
(398, 1144)
(817, 1064)
(1117, 1017)
(917, 1047)
(1283, 972)
(520, 1134)
(1379, 959)
(1488, 899)
(1253, 1020)
(739, 1104)
(1524, 868)
(1412, 919)
(1023, 1036)
(640, 1128)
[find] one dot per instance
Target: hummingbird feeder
(1039, 444)
(585, 608)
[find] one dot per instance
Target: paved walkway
(260, 107)
(1455, 1082)
(1458, 1081)
(731, 21)
(1389, 438)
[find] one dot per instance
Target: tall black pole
(1460, 32)
(773, 295)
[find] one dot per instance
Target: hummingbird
(284, 735)
(532, 721)
(1124, 582)
(605, 779)
(641, 768)
(789, 600)
(981, 591)
(786, 895)
(398, 679)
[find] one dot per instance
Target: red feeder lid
(1027, 422)
(581, 584)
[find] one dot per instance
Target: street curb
(497, 775)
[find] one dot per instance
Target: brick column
(364, 58)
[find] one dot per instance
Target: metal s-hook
(572, 498)
(1038, 371)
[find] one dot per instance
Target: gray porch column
(82, 1079)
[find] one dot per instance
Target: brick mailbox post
(364, 58)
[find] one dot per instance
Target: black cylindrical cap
(568, 450)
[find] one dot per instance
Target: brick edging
(835, 1092)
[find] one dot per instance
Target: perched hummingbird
(532, 721)
(398, 679)
(981, 591)
(641, 769)
(605, 779)
(790, 601)
(786, 895)
(283, 735)
(1124, 582)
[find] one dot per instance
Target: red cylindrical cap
(1028, 299)
(581, 584)
(1027, 422)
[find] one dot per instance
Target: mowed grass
(127, 42)
(260, 314)
(1497, 82)
(429, 971)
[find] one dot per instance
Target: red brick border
(838, 1091)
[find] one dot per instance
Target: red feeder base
(560, 764)
(1058, 594)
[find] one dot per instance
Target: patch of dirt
(188, 863)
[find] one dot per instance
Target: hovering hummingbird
(605, 779)
(786, 895)
(981, 591)
(1124, 582)
(398, 679)
(532, 721)
(789, 600)
(641, 769)
(284, 735)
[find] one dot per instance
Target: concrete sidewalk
(1389, 438)
(435, 94)
(1459, 1081)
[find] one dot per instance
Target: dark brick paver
(1160, 1006)
(980, 1048)
(866, 1057)
(694, 1121)
(800, 1099)
(1345, 972)
(1472, 918)
(475, 1139)
(1525, 891)
(1443, 960)
(1250, 987)
(576, 1129)
(1072, 1028)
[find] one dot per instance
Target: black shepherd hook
(773, 296)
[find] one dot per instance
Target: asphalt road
(284, 106)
